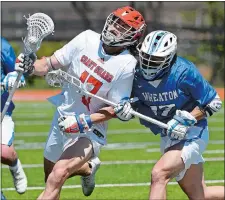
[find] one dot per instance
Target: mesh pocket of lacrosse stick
(39, 25)
(56, 78)
(53, 79)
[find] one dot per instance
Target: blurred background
(198, 25)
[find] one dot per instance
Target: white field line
(50, 106)
(121, 162)
(30, 123)
(213, 151)
(34, 105)
(22, 144)
(31, 115)
(36, 115)
(41, 122)
(111, 185)
(110, 132)
(205, 152)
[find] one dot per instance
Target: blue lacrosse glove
(10, 79)
(75, 124)
(179, 125)
(123, 109)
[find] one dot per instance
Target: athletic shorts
(7, 130)
(57, 143)
(192, 150)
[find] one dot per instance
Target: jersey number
(95, 83)
(162, 110)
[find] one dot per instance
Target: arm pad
(213, 107)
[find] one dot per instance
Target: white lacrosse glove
(24, 63)
(74, 124)
(123, 109)
(10, 80)
(179, 125)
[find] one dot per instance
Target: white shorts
(7, 130)
(57, 143)
(192, 150)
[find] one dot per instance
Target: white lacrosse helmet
(123, 27)
(156, 53)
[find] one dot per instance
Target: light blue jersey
(183, 88)
(8, 59)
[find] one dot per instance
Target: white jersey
(111, 77)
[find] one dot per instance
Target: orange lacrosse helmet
(123, 27)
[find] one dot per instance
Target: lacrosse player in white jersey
(103, 62)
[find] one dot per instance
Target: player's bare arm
(107, 113)
(208, 110)
(44, 65)
(39, 67)
(198, 113)
(104, 114)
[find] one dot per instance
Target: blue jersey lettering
(183, 88)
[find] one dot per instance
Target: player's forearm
(208, 110)
(102, 115)
(197, 113)
(44, 65)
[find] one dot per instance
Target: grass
(36, 117)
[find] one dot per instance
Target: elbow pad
(213, 107)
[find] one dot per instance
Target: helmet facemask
(117, 33)
(156, 54)
(152, 65)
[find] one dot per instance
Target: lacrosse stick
(57, 77)
(39, 25)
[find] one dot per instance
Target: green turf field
(133, 147)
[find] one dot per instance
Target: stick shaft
(78, 84)
(137, 114)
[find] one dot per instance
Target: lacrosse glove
(10, 80)
(179, 125)
(74, 124)
(24, 63)
(123, 109)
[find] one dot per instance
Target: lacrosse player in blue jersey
(171, 89)
(8, 153)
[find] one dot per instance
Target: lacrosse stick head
(39, 25)
(57, 78)
(54, 79)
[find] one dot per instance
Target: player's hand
(179, 125)
(3, 87)
(74, 124)
(10, 80)
(24, 63)
(123, 109)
